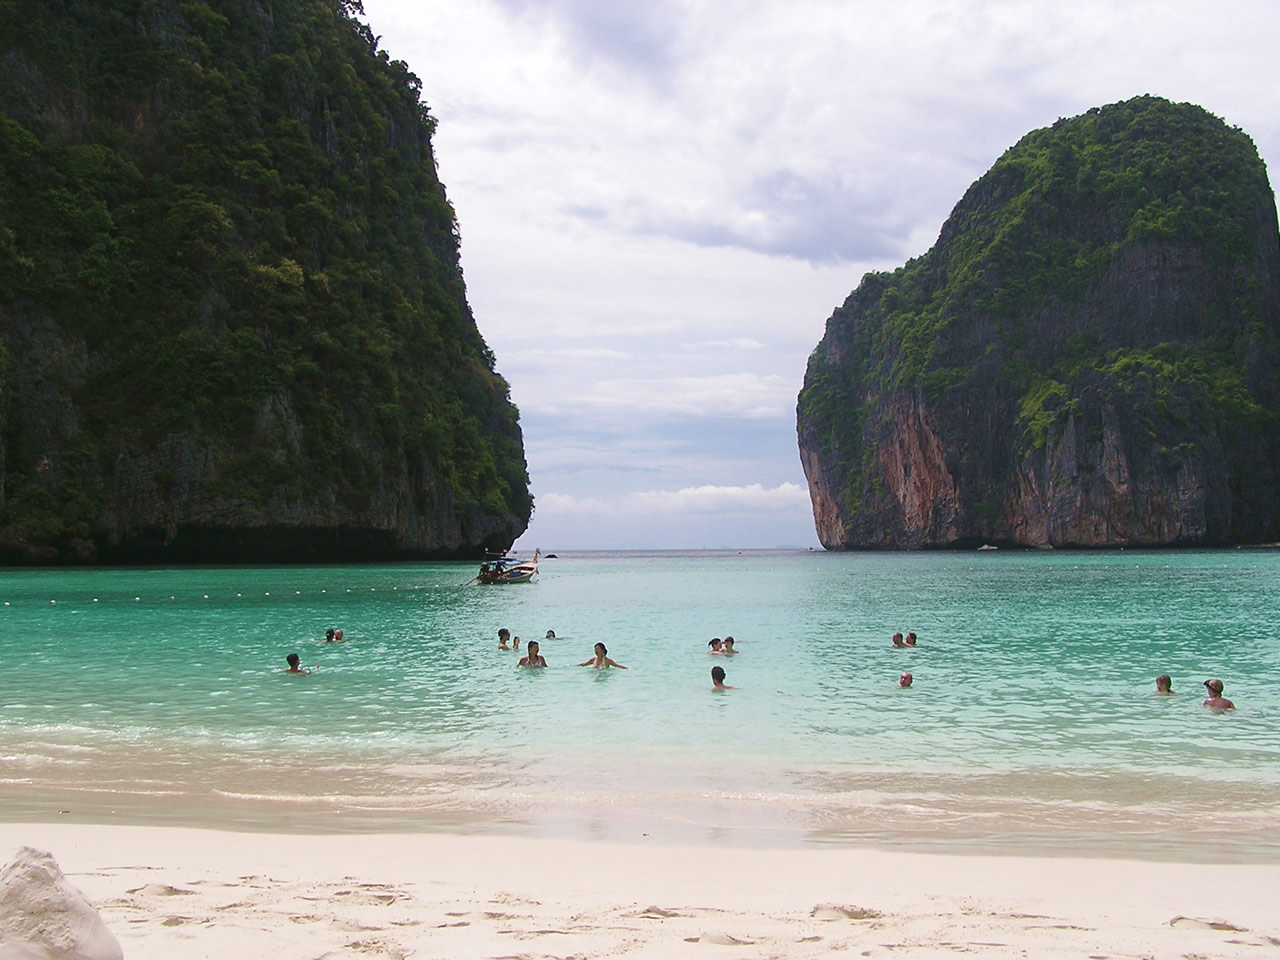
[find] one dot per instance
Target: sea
(158, 696)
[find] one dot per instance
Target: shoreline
(178, 891)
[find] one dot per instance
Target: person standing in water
(601, 660)
(910, 641)
(1216, 700)
(503, 636)
(728, 647)
(904, 681)
(717, 679)
(533, 658)
(293, 660)
(897, 640)
(1164, 684)
(715, 645)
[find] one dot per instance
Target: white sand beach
(184, 893)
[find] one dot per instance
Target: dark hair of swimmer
(328, 634)
(532, 647)
(504, 633)
(602, 649)
(291, 659)
(717, 674)
(713, 641)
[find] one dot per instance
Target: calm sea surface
(157, 696)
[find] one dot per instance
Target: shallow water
(157, 696)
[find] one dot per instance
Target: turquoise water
(158, 696)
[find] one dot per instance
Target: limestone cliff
(1086, 357)
(233, 325)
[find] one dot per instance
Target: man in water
(904, 681)
(1164, 684)
(717, 679)
(897, 640)
(503, 636)
(1216, 700)
(728, 646)
(292, 660)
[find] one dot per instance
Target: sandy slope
(190, 894)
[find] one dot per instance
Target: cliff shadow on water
(1086, 357)
(233, 325)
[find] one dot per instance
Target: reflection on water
(158, 694)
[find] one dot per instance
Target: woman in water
(716, 645)
(533, 658)
(1164, 684)
(601, 660)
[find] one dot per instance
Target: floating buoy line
(323, 591)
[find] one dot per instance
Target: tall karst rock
(1087, 356)
(233, 326)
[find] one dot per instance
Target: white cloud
(753, 498)
(722, 395)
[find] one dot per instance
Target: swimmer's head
(503, 633)
(911, 640)
(551, 635)
(1164, 684)
(328, 634)
(728, 642)
(717, 674)
(337, 634)
(714, 643)
(532, 647)
(897, 639)
(1214, 687)
(292, 660)
(904, 680)
(601, 650)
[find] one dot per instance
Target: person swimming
(1164, 684)
(717, 679)
(904, 681)
(533, 658)
(503, 636)
(897, 640)
(601, 659)
(293, 660)
(910, 641)
(328, 635)
(728, 646)
(1216, 700)
(715, 645)
(515, 644)
(551, 635)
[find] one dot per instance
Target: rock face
(233, 325)
(1087, 357)
(44, 917)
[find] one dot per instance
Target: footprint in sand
(1195, 924)
(657, 913)
(161, 890)
(723, 939)
(835, 911)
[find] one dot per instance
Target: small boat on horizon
(499, 568)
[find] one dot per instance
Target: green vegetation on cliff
(233, 206)
(1129, 253)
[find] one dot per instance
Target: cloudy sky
(662, 201)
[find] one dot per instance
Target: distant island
(1087, 357)
(233, 326)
